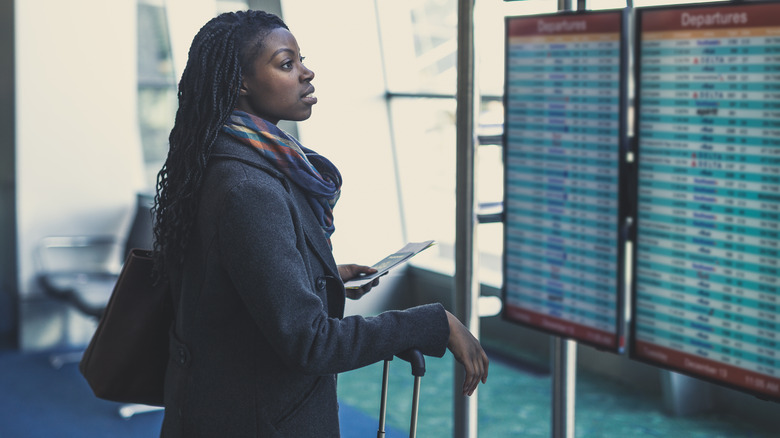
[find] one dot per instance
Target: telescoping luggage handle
(417, 360)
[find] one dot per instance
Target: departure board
(564, 122)
(707, 289)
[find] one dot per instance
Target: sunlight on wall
(78, 150)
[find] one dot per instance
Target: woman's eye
(302, 58)
(287, 64)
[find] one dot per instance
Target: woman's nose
(308, 74)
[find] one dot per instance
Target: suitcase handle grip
(416, 358)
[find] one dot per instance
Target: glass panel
(424, 132)
(606, 4)
(643, 3)
(489, 190)
(156, 87)
(233, 5)
(154, 53)
(419, 40)
(489, 38)
(156, 110)
(157, 100)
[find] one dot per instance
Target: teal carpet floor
(37, 401)
(517, 403)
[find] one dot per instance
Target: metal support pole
(564, 358)
(465, 291)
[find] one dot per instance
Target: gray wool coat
(260, 334)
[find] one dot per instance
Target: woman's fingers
(476, 372)
(468, 351)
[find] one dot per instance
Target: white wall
(350, 126)
(79, 161)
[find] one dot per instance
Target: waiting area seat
(82, 271)
(79, 270)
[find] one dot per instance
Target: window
(158, 79)
(419, 40)
(157, 100)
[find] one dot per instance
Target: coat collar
(225, 147)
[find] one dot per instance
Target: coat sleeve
(261, 244)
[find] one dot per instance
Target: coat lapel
(318, 243)
(315, 235)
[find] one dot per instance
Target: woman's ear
(242, 90)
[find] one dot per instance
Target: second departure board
(564, 124)
(707, 290)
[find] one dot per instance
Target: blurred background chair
(82, 271)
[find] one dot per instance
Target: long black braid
(224, 47)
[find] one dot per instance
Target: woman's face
(279, 87)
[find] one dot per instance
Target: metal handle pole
(415, 407)
(383, 406)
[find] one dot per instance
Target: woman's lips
(309, 98)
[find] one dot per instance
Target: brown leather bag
(127, 356)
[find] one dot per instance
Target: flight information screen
(706, 283)
(562, 152)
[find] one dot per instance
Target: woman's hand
(468, 351)
(352, 271)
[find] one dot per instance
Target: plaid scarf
(315, 174)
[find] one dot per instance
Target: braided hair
(220, 53)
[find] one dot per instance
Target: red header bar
(723, 17)
(565, 24)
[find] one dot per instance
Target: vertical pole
(465, 298)
(564, 358)
(10, 288)
(564, 352)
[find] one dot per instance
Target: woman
(243, 222)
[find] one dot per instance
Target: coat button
(321, 282)
(181, 356)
